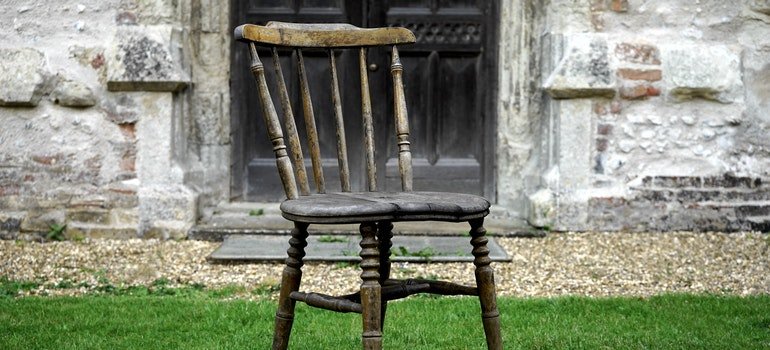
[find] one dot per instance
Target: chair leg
(371, 292)
(485, 282)
(384, 236)
(292, 275)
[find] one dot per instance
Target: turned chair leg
(485, 282)
(384, 236)
(292, 275)
(371, 292)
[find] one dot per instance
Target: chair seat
(357, 207)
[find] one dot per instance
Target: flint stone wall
(98, 129)
(677, 139)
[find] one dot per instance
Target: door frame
(490, 68)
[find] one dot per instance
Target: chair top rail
(331, 35)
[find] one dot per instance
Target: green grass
(202, 320)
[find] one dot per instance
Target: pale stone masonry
(612, 115)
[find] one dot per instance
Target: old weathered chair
(374, 211)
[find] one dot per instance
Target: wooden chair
(374, 211)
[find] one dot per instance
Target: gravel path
(593, 264)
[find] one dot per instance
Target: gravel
(589, 264)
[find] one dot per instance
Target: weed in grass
(256, 212)
(64, 284)
(10, 289)
(266, 290)
(333, 239)
(56, 232)
(227, 291)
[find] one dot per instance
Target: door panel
(445, 100)
(446, 81)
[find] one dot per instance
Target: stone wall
(655, 116)
(612, 115)
(113, 116)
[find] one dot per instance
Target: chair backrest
(331, 37)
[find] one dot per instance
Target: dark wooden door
(450, 76)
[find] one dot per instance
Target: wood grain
(402, 122)
(291, 128)
(273, 126)
(339, 124)
(311, 130)
(333, 35)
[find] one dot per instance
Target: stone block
(141, 60)
(155, 162)
(711, 72)
(89, 216)
(10, 224)
(211, 50)
(22, 77)
(125, 217)
(575, 134)
(169, 209)
(541, 209)
(761, 6)
(40, 220)
(210, 15)
(77, 231)
(71, 93)
(209, 125)
(584, 70)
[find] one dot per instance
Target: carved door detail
(449, 84)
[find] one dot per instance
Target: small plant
(256, 212)
(348, 252)
(56, 232)
(344, 265)
(426, 253)
(333, 239)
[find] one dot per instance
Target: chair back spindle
(295, 148)
(273, 126)
(402, 123)
(339, 123)
(366, 113)
(312, 132)
(290, 162)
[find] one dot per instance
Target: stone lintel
(142, 59)
(582, 69)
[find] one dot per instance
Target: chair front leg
(384, 236)
(292, 275)
(485, 282)
(371, 291)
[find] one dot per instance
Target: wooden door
(449, 82)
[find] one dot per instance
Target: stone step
(759, 223)
(741, 209)
(265, 219)
(345, 248)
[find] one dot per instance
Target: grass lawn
(203, 320)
